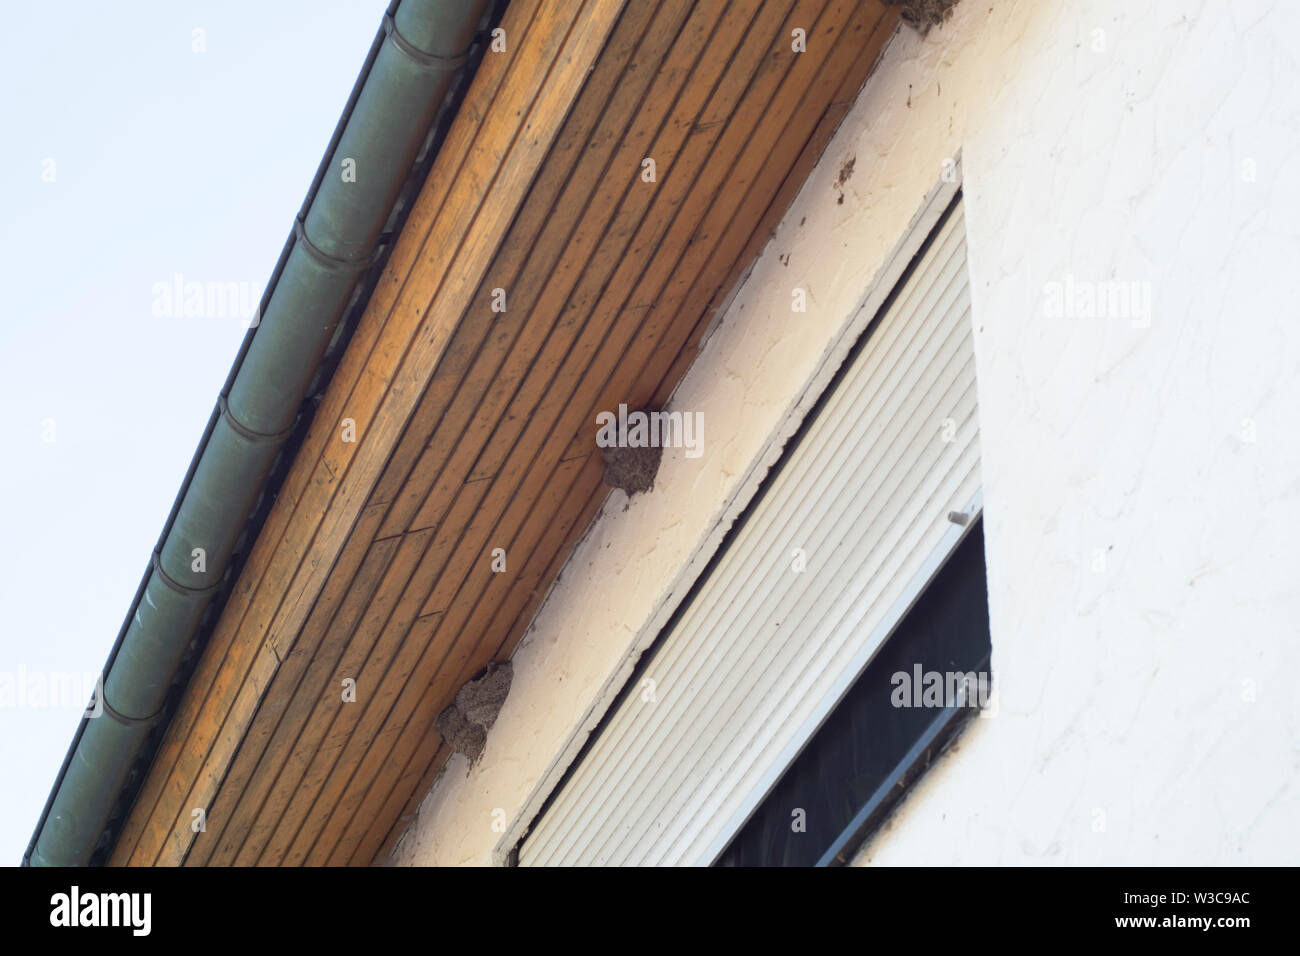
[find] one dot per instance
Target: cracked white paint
(1145, 710)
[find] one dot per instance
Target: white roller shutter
(762, 652)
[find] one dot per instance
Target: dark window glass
(870, 750)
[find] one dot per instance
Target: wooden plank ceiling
(475, 429)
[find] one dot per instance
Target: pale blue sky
(165, 161)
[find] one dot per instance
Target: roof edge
(139, 697)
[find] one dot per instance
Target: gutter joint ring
(123, 719)
(181, 589)
(343, 267)
(430, 61)
(247, 433)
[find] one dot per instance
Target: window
(886, 732)
(769, 672)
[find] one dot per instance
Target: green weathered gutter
(411, 71)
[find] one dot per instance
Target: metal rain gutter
(414, 64)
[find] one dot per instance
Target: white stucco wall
(1141, 471)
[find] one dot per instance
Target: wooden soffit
(474, 428)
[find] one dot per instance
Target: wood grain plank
(401, 808)
(807, 151)
(380, 565)
(530, 256)
(793, 86)
(883, 23)
(466, 504)
(383, 833)
(226, 660)
(544, 459)
(311, 674)
(557, 163)
(337, 799)
(536, 545)
(457, 249)
(732, 215)
(599, 189)
(633, 26)
(485, 331)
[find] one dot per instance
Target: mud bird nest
(464, 724)
(632, 469)
(923, 14)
